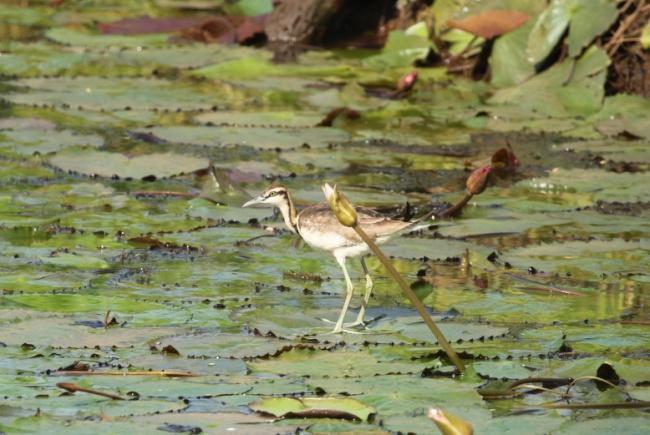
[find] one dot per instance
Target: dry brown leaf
(489, 24)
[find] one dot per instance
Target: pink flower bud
(477, 180)
(406, 82)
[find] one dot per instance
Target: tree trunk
(301, 21)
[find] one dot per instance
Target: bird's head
(275, 196)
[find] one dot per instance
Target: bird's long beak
(256, 200)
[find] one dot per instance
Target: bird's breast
(327, 240)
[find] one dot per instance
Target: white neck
(285, 209)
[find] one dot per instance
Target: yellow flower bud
(342, 208)
(450, 424)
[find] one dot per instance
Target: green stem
(442, 341)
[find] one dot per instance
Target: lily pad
(313, 407)
(78, 261)
(261, 119)
(548, 30)
(403, 47)
(563, 89)
(609, 186)
(27, 142)
(227, 346)
(589, 19)
(509, 60)
(256, 137)
(415, 328)
(69, 36)
(38, 331)
(346, 364)
(106, 164)
(596, 338)
(93, 93)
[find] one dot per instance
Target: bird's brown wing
(320, 217)
(377, 225)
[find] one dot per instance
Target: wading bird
(318, 226)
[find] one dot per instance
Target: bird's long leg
(348, 297)
(366, 296)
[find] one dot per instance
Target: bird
(319, 227)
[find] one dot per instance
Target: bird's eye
(272, 194)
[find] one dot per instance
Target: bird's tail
(420, 223)
(417, 226)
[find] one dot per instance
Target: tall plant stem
(419, 306)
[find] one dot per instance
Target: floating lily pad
(256, 137)
(93, 93)
(89, 405)
(141, 58)
(261, 119)
(313, 407)
(106, 164)
(38, 331)
(596, 338)
(415, 328)
(553, 254)
(27, 142)
(69, 36)
(26, 124)
(16, 14)
(598, 184)
(344, 364)
(227, 346)
(78, 261)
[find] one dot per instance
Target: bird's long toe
(347, 331)
(355, 323)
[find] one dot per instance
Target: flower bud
(342, 208)
(406, 82)
(450, 424)
(477, 180)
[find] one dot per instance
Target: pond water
(124, 162)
